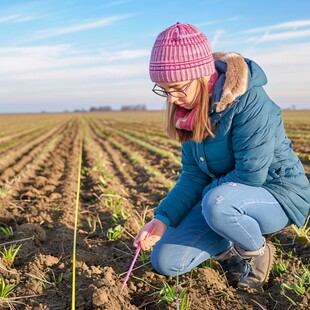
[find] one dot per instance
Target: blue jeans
(229, 213)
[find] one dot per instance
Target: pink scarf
(184, 118)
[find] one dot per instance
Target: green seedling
(280, 266)
(101, 187)
(145, 257)
(170, 294)
(115, 218)
(6, 289)
(302, 285)
(57, 206)
(8, 231)
(302, 233)
(54, 279)
(92, 222)
(59, 279)
(167, 293)
(117, 209)
(109, 203)
(209, 263)
(102, 183)
(114, 233)
(102, 179)
(185, 303)
(290, 254)
(8, 255)
(3, 192)
(109, 192)
(85, 171)
(92, 202)
(277, 243)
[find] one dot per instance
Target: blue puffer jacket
(250, 147)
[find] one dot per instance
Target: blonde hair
(202, 125)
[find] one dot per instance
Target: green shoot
(3, 192)
(144, 255)
(8, 255)
(115, 218)
(57, 206)
(185, 303)
(290, 254)
(280, 266)
(110, 192)
(59, 279)
(102, 179)
(92, 222)
(302, 233)
(102, 183)
(170, 294)
(117, 209)
(6, 289)
(8, 231)
(302, 285)
(109, 203)
(114, 233)
(54, 280)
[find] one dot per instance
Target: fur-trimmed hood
(236, 75)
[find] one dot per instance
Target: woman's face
(190, 88)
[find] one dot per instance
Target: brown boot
(232, 264)
(259, 265)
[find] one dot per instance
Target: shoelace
(247, 267)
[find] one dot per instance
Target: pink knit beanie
(181, 53)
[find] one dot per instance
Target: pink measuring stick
(135, 258)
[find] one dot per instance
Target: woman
(240, 178)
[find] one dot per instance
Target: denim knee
(160, 262)
(214, 206)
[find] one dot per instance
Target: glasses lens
(160, 92)
(177, 94)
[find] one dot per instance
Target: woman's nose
(170, 98)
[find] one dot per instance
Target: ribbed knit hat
(181, 53)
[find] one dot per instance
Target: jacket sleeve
(187, 191)
(253, 140)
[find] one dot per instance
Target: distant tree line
(108, 108)
(133, 107)
(104, 108)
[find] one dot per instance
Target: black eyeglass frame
(175, 93)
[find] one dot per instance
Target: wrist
(162, 220)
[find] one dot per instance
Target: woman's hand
(155, 235)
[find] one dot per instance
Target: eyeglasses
(175, 93)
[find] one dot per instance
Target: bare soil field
(128, 165)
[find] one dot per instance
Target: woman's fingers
(147, 242)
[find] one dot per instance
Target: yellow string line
(76, 223)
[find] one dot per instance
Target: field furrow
(13, 163)
(161, 163)
(128, 166)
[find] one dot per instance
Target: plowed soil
(38, 179)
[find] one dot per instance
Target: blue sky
(69, 54)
